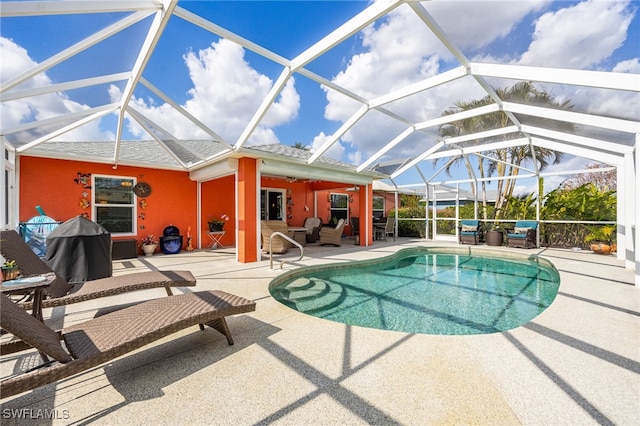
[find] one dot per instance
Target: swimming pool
(425, 290)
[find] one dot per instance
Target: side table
(299, 234)
(35, 284)
(216, 236)
(22, 285)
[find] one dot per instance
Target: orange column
(366, 214)
(247, 249)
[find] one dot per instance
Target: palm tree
(507, 161)
(302, 146)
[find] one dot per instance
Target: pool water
(424, 292)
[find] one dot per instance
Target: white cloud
(579, 36)
(401, 51)
(15, 60)
(630, 66)
(226, 93)
(335, 151)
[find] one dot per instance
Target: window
(114, 203)
(339, 207)
(272, 204)
(378, 206)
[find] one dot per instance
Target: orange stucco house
(244, 186)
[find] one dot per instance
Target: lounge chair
(98, 340)
(313, 226)
(524, 235)
(333, 236)
(470, 231)
(61, 293)
(278, 244)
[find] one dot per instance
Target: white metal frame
(624, 157)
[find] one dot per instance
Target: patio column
(247, 188)
(365, 211)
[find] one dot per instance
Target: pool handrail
(291, 240)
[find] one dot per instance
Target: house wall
(50, 184)
(219, 198)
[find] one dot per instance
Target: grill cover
(79, 250)
(171, 241)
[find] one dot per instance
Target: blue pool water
(424, 291)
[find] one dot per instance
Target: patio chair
(355, 226)
(313, 226)
(278, 244)
(470, 231)
(524, 235)
(104, 338)
(388, 228)
(332, 235)
(61, 293)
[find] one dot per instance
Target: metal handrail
(288, 238)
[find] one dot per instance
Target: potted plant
(149, 244)
(217, 225)
(9, 270)
(601, 239)
(494, 236)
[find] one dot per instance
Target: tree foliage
(604, 181)
(507, 161)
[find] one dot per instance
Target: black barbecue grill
(171, 240)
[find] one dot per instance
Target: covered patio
(577, 363)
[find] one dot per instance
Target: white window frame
(283, 202)
(346, 207)
(384, 205)
(133, 205)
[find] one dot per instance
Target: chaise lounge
(61, 293)
(96, 341)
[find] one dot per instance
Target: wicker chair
(313, 225)
(388, 228)
(524, 235)
(278, 244)
(355, 226)
(61, 293)
(96, 341)
(332, 235)
(470, 232)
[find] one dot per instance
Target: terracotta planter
(10, 273)
(600, 247)
(494, 238)
(149, 249)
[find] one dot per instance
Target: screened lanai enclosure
(469, 94)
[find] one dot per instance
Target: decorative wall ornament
(83, 179)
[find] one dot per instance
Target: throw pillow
(469, 228)
(520, 230)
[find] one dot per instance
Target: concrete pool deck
(576, 363)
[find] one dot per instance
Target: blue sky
(223, 84)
